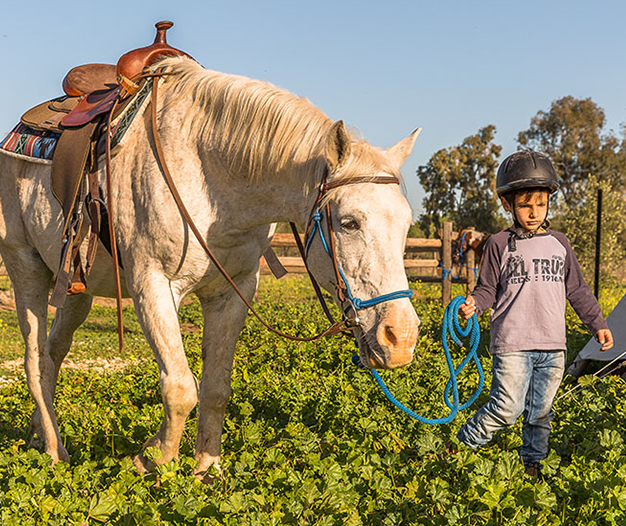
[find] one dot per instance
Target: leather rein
(342, 288)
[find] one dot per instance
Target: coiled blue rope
(452, 327)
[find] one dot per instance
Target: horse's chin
(372, 362)
(371, 356)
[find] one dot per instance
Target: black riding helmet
(524, 170)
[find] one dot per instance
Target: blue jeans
(523, 382)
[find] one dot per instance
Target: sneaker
(451, 448)
(534, 470)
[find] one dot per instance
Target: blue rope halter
(356, 303)
(451, 326)
(448, 272)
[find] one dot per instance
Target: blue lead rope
(450, 323)
(451, 326)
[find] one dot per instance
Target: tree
(460, 184)
(578, 220)
(586, 158)
(572, 134)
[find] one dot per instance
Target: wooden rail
(425, 269)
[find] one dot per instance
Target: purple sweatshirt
(527, 289)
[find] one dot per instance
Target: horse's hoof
(208, 470)
(59, 456)
(36, 443)
(142, 464)
(208, 477)
(64, 456)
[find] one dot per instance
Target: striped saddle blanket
(29, 142)
(40, 144)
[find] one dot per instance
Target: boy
(528, 272)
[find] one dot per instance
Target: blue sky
(385, 68)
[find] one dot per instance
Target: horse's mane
(260, 129)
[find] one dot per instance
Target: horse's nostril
(390, 336)
(396, 336)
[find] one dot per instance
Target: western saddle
(100, 85)
(94, 95)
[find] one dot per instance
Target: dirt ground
(104, 365)
(7, 301)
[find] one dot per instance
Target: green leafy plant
(308, 438)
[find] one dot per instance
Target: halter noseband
(315, 225)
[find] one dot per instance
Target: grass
(96, 340)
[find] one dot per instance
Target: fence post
(596, 273)
(471, 273)
(446, 261)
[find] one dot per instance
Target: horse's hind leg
(66, 321)
(223, 320)
(31, 284)
(157, 313)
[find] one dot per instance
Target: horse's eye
(350, 224)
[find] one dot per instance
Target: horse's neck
(262, 201)
(287, 196)
(279, 191)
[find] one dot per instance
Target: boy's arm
(579, 294)
(484, 295)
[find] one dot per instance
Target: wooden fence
(424, 260)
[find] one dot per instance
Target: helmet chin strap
(519, 232)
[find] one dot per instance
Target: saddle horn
(131, 64)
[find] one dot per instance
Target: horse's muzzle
(396, 335)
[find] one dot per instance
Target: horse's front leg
(157, 313)
(223, 320)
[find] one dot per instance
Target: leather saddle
(99, 85)
(92, 91)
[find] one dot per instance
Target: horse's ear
(337, 145)
(399, 152)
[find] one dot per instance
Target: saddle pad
(28, 142)
(47, 115)
(122, 122)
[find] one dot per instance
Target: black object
(596, 274)
(526, 169)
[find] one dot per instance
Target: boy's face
(531, 208)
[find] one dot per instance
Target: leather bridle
(314, 226)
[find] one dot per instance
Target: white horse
(244, 155)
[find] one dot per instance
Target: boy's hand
(468, 309)
(605, 337)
